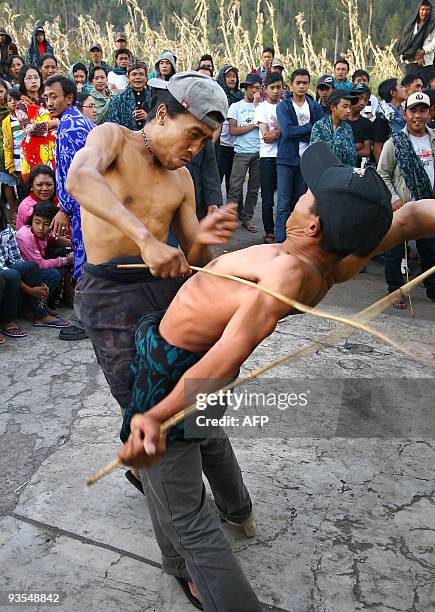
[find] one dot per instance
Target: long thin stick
(365, 315)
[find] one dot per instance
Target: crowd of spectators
(272, 119)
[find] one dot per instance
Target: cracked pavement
(343, 490)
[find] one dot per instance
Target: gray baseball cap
(197, 93)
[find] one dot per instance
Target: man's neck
(335, 122)
(308, 249)
(248, 101)
(355, 115)
(274, 102)
(299, 98)
(417, 134)
(396, 103)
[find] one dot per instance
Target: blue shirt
(71, 137)
(244, 114)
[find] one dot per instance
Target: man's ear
(161, 114)
(314, 228)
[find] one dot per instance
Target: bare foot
(53, 321)
(194, 591)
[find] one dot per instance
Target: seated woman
(52, 255)
(42, 187)
(21, 279)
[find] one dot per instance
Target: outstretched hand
(218, 227)
(145, 444)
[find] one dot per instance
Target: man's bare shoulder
(284, 273)
(107, 134)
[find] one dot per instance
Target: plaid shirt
(9, 251)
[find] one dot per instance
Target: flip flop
(186, 590)
(134, 481)
(399, 303)
(251, 228)
(14, 332)
(269, 239)
(56, 324)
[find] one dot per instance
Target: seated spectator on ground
(412, 83)
(80, 76)
(206, 61)
(96, 53)
(341, 71)
(120, 40)
(130, 108)
(42, 187)
(13, 134)
(166, 65)
(117, 78)
(389, 117)
(362, 76)
(335, 130)
(86, 105)
(15, 63)
(38, 46)
(22, 280)
(324, 88)
(361, 126)
(100, 91)
(47, 65)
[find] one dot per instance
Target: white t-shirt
(226, 139)
(266, 113)
(423, 148)
(303, 117)
(119, 80)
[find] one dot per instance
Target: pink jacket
(30, 251)
(25, 209)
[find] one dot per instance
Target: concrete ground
(343, 489)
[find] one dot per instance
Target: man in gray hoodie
(166, 65)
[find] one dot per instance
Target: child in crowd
(13, 134)
(7, 181)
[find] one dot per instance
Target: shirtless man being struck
(214, 324)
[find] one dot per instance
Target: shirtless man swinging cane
(343, 220)
(131, 187)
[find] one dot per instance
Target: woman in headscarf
(38, 46)
(416, 46)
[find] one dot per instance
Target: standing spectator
(86, 105)
(38, 46)
(205, 176)
(277, 67)
(241, 118)
(265, 117)
(41, 184)
(13, 135)
(362, 76)
(206, 61)
(266, 61)
(390, 116)
(5, 52)
(324, 88)
(407, 167)
(96, 53)
(7, 180)
(228, 79)
(335, 130)
(21, 276)
(47, 65)
(117, 78)
(166, 65)
(416, 46)
(130, 107)
(100, 91)
(296, 116)
(412, 83)
(120, 40)
(361, 126)
(72, 132)
(341, 70)
(80, 76)
(37, 146)
(15, 63)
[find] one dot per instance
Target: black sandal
(185, 586)
(134, 481)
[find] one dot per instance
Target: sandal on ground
(399, 303)
(134, 481)
(57, 323)
(269, 238)
(2, 339)
(186, 590)
(251, 228)
(14, 332)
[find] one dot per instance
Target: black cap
(252, 79)
(326, 81)
(343, 94)
(354, 204)
(359, 89)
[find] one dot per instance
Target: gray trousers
(241, 164)
(188, 532)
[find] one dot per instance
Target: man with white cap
(407, 167)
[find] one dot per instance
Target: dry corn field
(237, 46)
